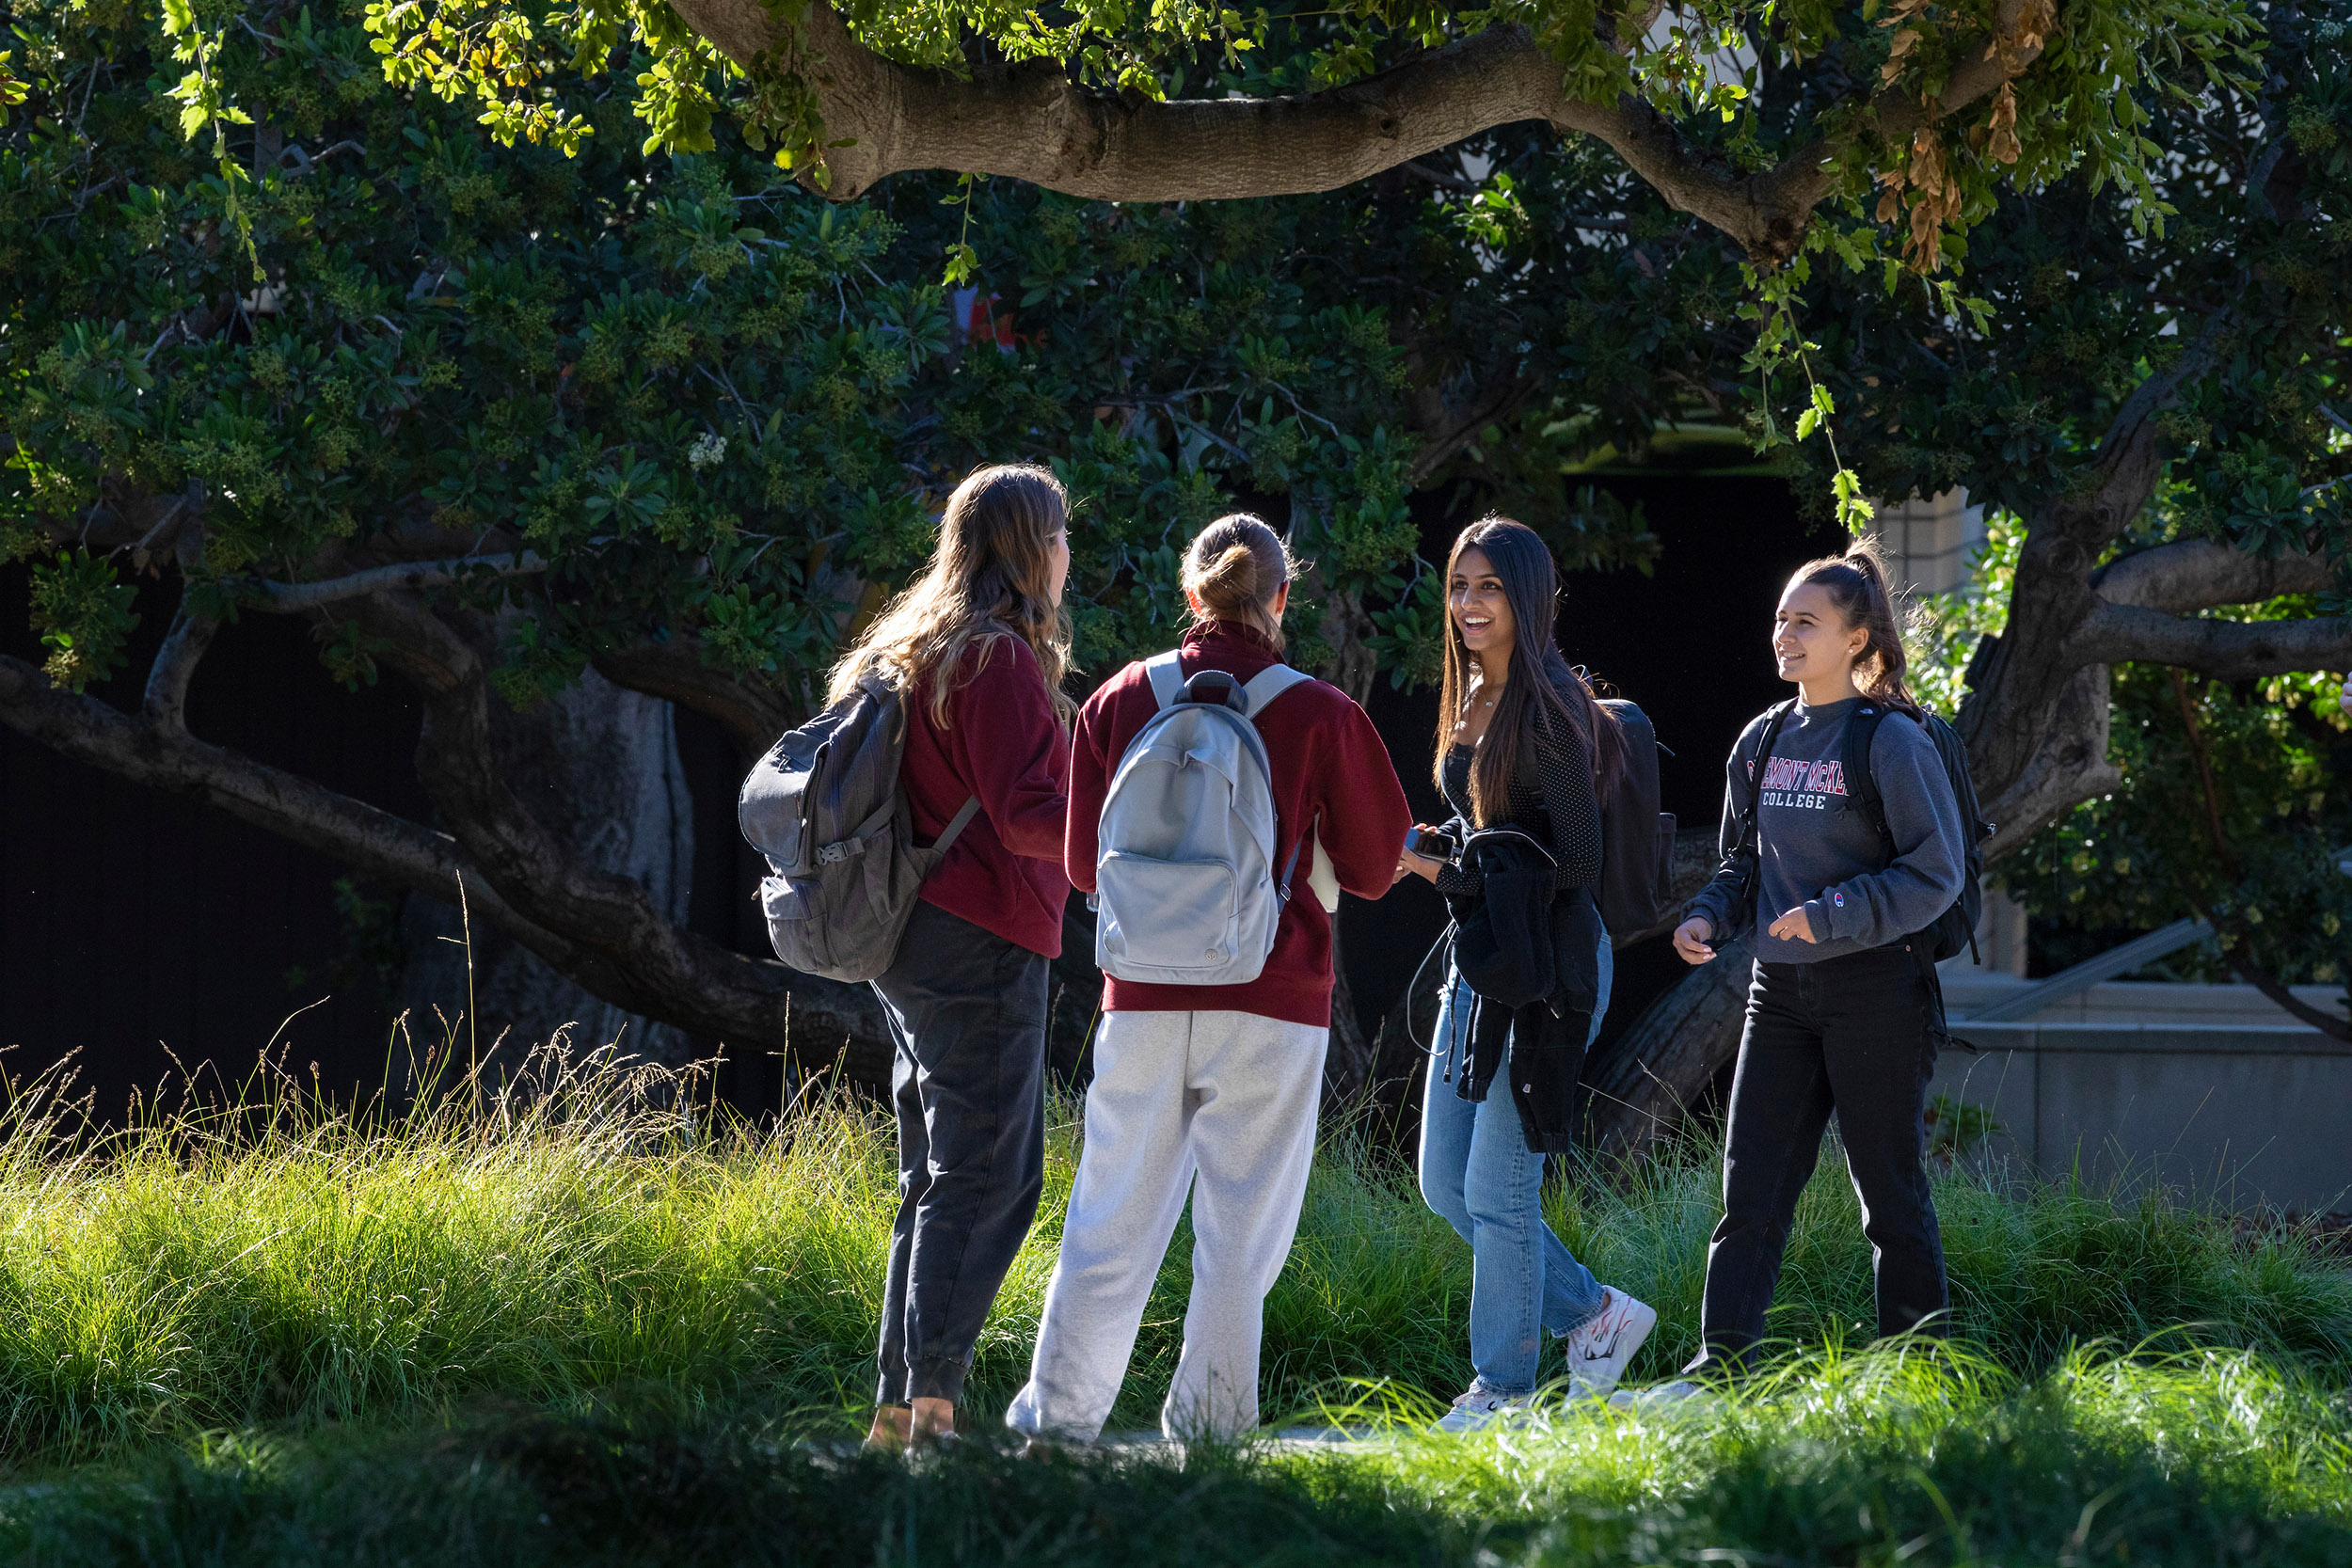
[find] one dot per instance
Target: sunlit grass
(589, 1227)
(1920, 1454)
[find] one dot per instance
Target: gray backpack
(1185, 869)
(826, 809)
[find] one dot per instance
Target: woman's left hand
(1419, 866)
(1794, 926)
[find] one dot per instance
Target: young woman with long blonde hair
(978, 645)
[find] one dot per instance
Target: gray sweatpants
(1221, 1105)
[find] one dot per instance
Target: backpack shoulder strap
(1270, 682)
(1262, 689)
(955, 824)
(1775, 716)
(1862, 785)
(1167, 671)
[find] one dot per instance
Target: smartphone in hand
(1429, 842)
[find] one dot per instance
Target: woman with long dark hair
(1844, 1012)
(977, 644)
(1523, 752)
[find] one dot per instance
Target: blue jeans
(1478, 1173)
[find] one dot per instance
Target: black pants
(1856, 1034)
(967, 1010)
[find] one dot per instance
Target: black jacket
(1526, 940)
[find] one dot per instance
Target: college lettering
(1806, 785)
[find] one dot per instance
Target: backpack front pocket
(1176, 921)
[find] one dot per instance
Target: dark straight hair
(1541, 690)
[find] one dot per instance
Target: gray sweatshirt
(1818, 852)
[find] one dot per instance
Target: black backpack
(1955, 930)
(1637, 840)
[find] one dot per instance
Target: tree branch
(2236, 956)
(165, 757)
(2235, 949)
(751, 1011)
(286, 598)
(1451, 431)
(2020, 677)
(629, 951)
(1663, 1062)
(1029, 123)
(2198, 574)
(2225, 650)
(2070, 766)
(166, 700)
(753, 716)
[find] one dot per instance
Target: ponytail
(1234, 568)
(1856, 583)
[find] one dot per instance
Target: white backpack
(1185, 869)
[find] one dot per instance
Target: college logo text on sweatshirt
(1806, 785)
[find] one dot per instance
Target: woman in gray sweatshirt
(1844, 1013)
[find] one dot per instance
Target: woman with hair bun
(1209, 1091)
(1844, 1013)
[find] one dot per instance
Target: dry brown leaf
(1901, 46)
(1927, 161)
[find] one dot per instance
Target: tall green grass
(587, 1228)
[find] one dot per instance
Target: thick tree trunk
(599, 766)
(1640, 1089)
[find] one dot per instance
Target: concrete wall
(2244, 1116)
(1967, 990)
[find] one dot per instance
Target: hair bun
(1233, 570)
(1230, 580)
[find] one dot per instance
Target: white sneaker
(1599, 1352)
(1481, 1407)
(1663, 1398)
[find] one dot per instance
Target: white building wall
(1929, 542)
(1929, 545)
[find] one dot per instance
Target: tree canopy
(500, 414)
(488, 412)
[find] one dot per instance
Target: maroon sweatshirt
(1328, 765)
(1005, 744)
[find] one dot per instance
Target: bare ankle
(893, 1427)
(931, 1419)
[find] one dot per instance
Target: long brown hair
(1234, 568)
(1856, 584)
(990, 579)
(1541, 689)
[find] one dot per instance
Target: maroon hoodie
(1004, 743)
(1329, 769)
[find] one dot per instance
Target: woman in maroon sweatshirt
(1209, 1091)
(978, 643)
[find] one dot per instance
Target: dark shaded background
(137, 927)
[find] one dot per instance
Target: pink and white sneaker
(1599, 1352)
